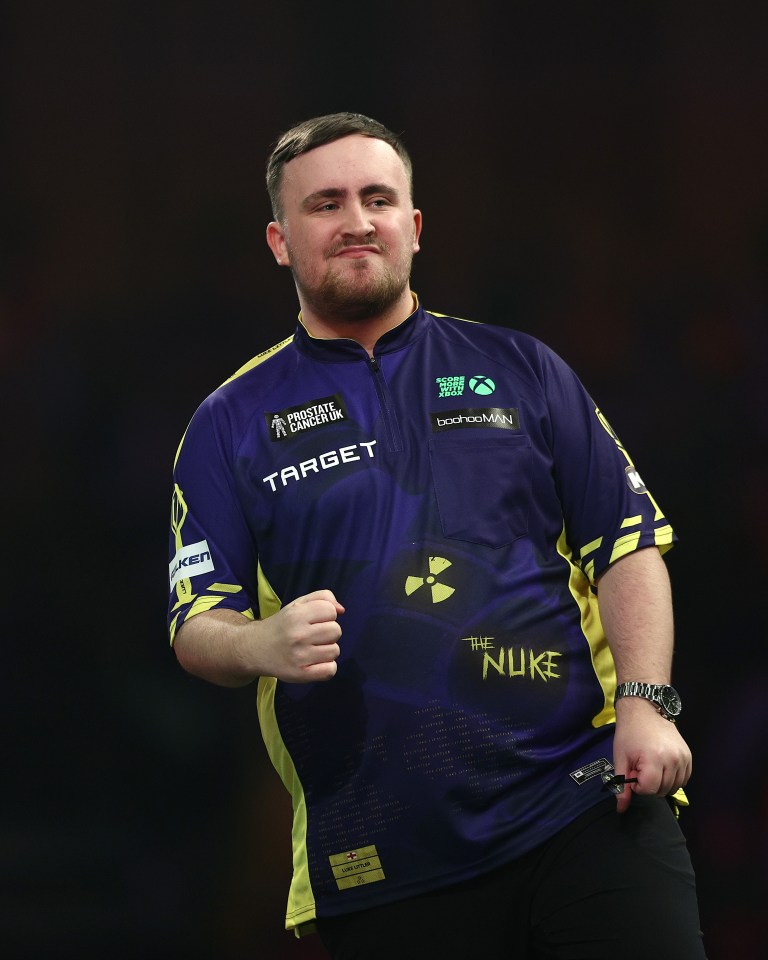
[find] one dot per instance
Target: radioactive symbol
(440, 591)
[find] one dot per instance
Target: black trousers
(607, 886)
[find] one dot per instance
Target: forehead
(349, 163)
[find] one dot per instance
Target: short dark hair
(316, 133)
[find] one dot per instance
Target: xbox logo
(482, 385)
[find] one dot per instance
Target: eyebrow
(339, 193)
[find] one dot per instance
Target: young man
(429, 547)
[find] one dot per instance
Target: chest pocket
(483, 487)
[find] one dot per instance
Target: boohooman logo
(501, 418)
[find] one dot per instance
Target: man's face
(348, 230)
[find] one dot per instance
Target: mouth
(362, 250)
(354, 251)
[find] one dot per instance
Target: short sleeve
(607, 507)
(213, 556)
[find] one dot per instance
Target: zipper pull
(374, 365)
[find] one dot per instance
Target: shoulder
(230, 408)
(261, 358)
(503, 343)
(253, 379)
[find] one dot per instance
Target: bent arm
(298, 644)
(635, 601)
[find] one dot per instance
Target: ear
(277, 244)
(416, 230)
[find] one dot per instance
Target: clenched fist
(298, 644)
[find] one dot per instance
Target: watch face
(670, 701)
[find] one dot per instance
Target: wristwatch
(665, 698)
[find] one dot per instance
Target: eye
(379, 202)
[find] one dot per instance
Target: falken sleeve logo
(190, 561)
(502, 418)
(291, 421)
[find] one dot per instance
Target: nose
(357, 220)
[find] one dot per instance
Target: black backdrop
(595, 174)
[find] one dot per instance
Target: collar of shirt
(345, 348)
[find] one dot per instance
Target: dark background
(593, 173)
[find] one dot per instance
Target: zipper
(392, 430)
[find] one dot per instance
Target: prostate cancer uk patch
(189, 561)
(292, 421)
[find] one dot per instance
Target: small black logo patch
(635, 481)
(590, 770)
(502, 418)
(292, 421)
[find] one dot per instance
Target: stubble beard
(357, 293)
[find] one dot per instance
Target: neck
(366, 331)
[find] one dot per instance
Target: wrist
(661, 696)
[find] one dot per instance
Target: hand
(302, 639)
(649, 747)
